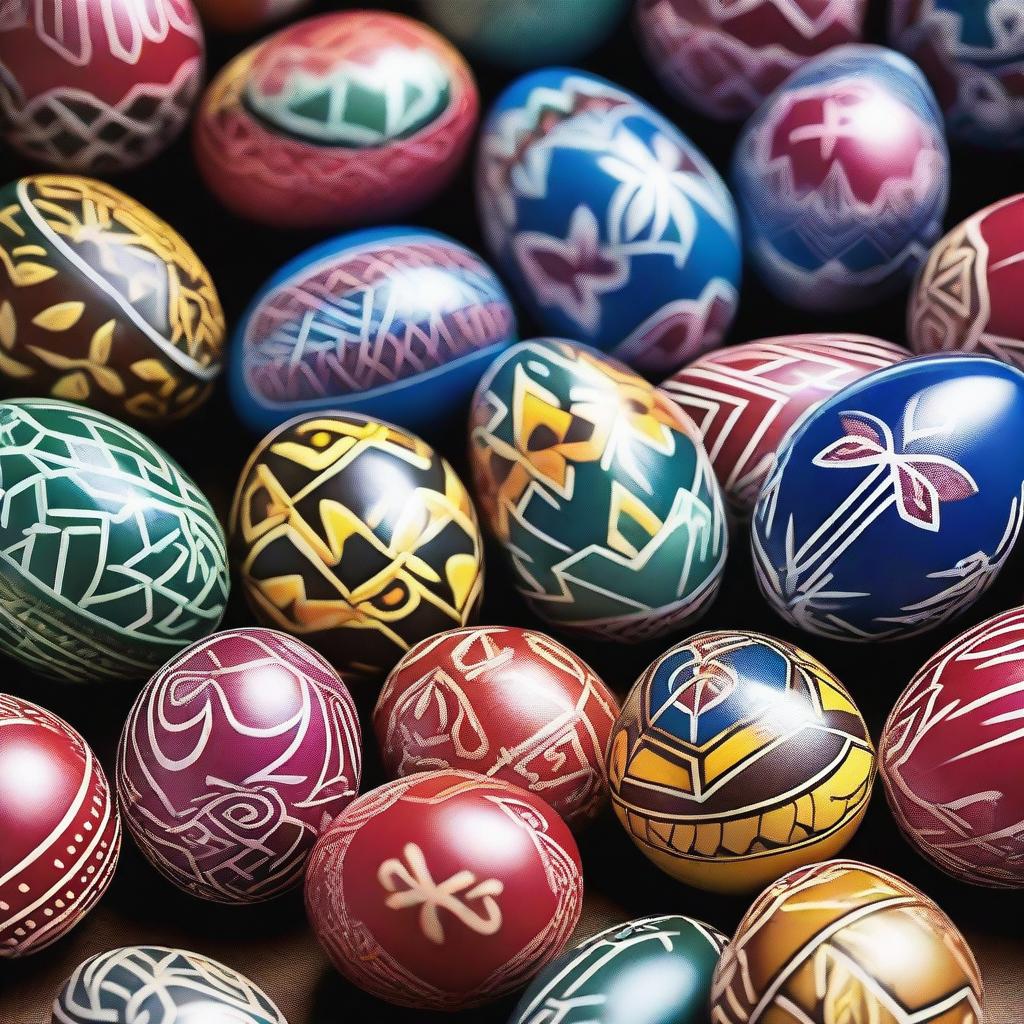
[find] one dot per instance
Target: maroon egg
(59, 830)
(444, 890)
(238, 753)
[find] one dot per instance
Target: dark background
(271, 943)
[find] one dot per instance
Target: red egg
(59, 830)
(444, 890)
(508, 703)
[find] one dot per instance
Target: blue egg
(610, 224)
(397, 323)
(842, 177)
(895, 504)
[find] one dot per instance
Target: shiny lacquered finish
(842, 178)
(345, 118)
(736, 758)
(508, 703)
(444, 890)
(952, 752)
(911, 460)
(235, 757)
(61, 833)
(842, 934)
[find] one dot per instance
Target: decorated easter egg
(503, 702)
(357, 537)
(393, 322)
(348, 117)
(610, 224)
(949, 755)
(160, 986)
(842, 177)
(98, 85)
(61, 833)
(102, 302)
(444, 890)
(111, 558)
(736, 758)
(912, 460)
(599, 491)
(235, 757)
(650, 971)
(725, 58)
(246, 15)
(842, 937)
(746, 398)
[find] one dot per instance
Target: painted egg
(746, 398)
(653, 970)
(444, 890)
(356, 536)
(235, 757)
(724, 59)
(611, 225)
(842, 177)
(111, 558)
(949, 753)
(344, 118)
(967, 297)
(736, 758)
(98, 85)
(911, 459)
(393, 322)
(841, 935)
(507, 703)
(61, 833)
(102, 302)
(599, 491)
(161, 986)
(246, 15)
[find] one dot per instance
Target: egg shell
(246, 15)
(61, 831)
(723, 59)
(236, 755)
(98, 85)
(111, 558)
(842, 178)
(736, 758)
(746, 398)
(599, 491)
(844, 934)
(610, 225)
(102, 302)
(445, 890)
(396, 322)
(507, 703)
(345, 118)
(894, 505)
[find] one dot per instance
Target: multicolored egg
(246, 15)
(238, 753)
(393, 322)
(842, 177)
(724, 58)
(356, 536)
(746, 398)
(61, 832)
(599, 491)
(610, 224)
(98, 86)
(111, 558)
(345, 118)
(949, 755)
(895, 504)
(102, 302)
(445, 890)
(842, 935)
(506, 703)
(736, 758)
